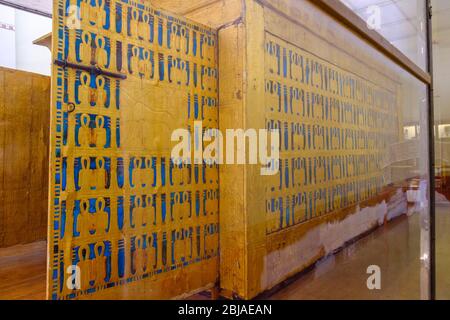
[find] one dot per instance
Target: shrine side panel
(125, 221)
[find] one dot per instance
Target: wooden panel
(135, 224)
(183, 8)
(255, 118)
(213, 13)
(336, 101)
(2, 153)
(25, 115)
(342, 123)
(233, 214)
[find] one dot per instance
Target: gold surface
(135, 224)
(100, 217)
(24, 114)
(292, 52)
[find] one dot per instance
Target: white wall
(7, 37)
(30, 57)
(16, 47)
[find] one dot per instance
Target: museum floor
(22, 271)
(394, 247)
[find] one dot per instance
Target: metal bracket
(91, 69)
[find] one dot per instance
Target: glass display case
(271, 149)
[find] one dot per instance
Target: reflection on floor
(393, 247)
(22, 271)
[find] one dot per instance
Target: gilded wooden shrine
(336, 102)
(123, 217)
(138, 225)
